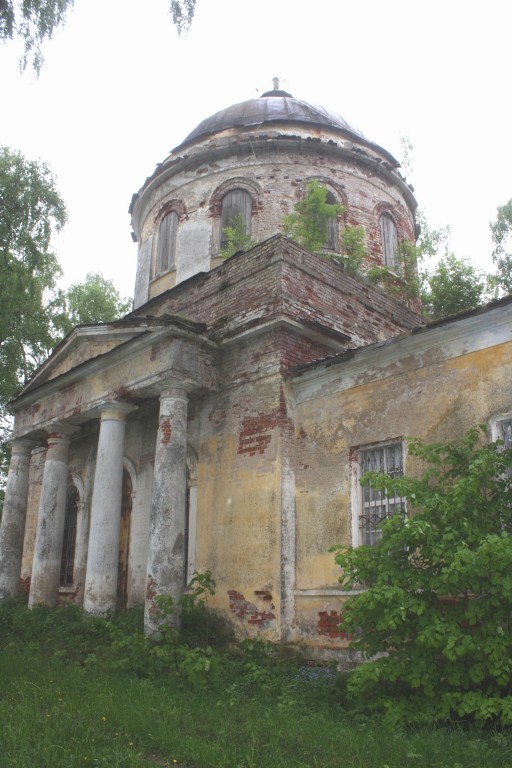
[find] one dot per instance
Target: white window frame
(498, 424)
(501, 429)
(361, 497)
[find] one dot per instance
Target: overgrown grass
(78, 691)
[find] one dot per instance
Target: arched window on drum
(389, 239)
(332, 234)
(235, 211)
(166, 244)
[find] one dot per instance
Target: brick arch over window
(167, 223)
(237, 196)
(402, 226)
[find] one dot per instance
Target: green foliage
(182, 14)
(31, 210)
(402, 279)
(453, 286)
(34, 311)
(34, 21)
(353, 249)
(94, 301)
(438, 599)
(308, 224)
(501, 231)
(237, 238)
(66, 703)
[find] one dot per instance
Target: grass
(77, 691)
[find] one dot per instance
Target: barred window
(67, 563)
(375, 506)
(503, 431)
(505, 428)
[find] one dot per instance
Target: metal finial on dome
(276, 91)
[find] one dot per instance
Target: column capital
(61, 429)
(173, 390)
(115, 410)
(21, 445)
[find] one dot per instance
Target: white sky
(119, 89)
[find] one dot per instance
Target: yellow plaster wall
(436, 402)
(238, 520)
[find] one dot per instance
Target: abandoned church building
(224, 423)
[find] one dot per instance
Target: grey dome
(273, 106)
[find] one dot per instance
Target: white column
(44, 584)
(166, 557)
(103, 552)
(12, 528)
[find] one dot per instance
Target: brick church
(224, 423)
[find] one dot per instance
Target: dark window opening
(331, 240)
(124, 542)
(67, 563)
(376, 506)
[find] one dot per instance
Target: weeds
(78, 691)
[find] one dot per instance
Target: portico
(91, 434)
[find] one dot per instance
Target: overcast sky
(119, 89)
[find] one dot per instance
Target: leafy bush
(309, 222)
(436, 616)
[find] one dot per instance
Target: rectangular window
(373, 505)
(501, 429)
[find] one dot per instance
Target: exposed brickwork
(278, 279)
(255, 432)
(246, 610)
(328, 625)
(25, 585)
(166, 431)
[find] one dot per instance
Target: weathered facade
(223, 424)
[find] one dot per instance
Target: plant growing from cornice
(309, 222)
(236, 237)
(354, 250)
(402, 279)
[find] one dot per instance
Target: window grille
(376, 507)
(68, 546)
(505, 434)
(505, 427)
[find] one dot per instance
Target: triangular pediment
(85, 343)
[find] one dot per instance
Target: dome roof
(272, 106)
